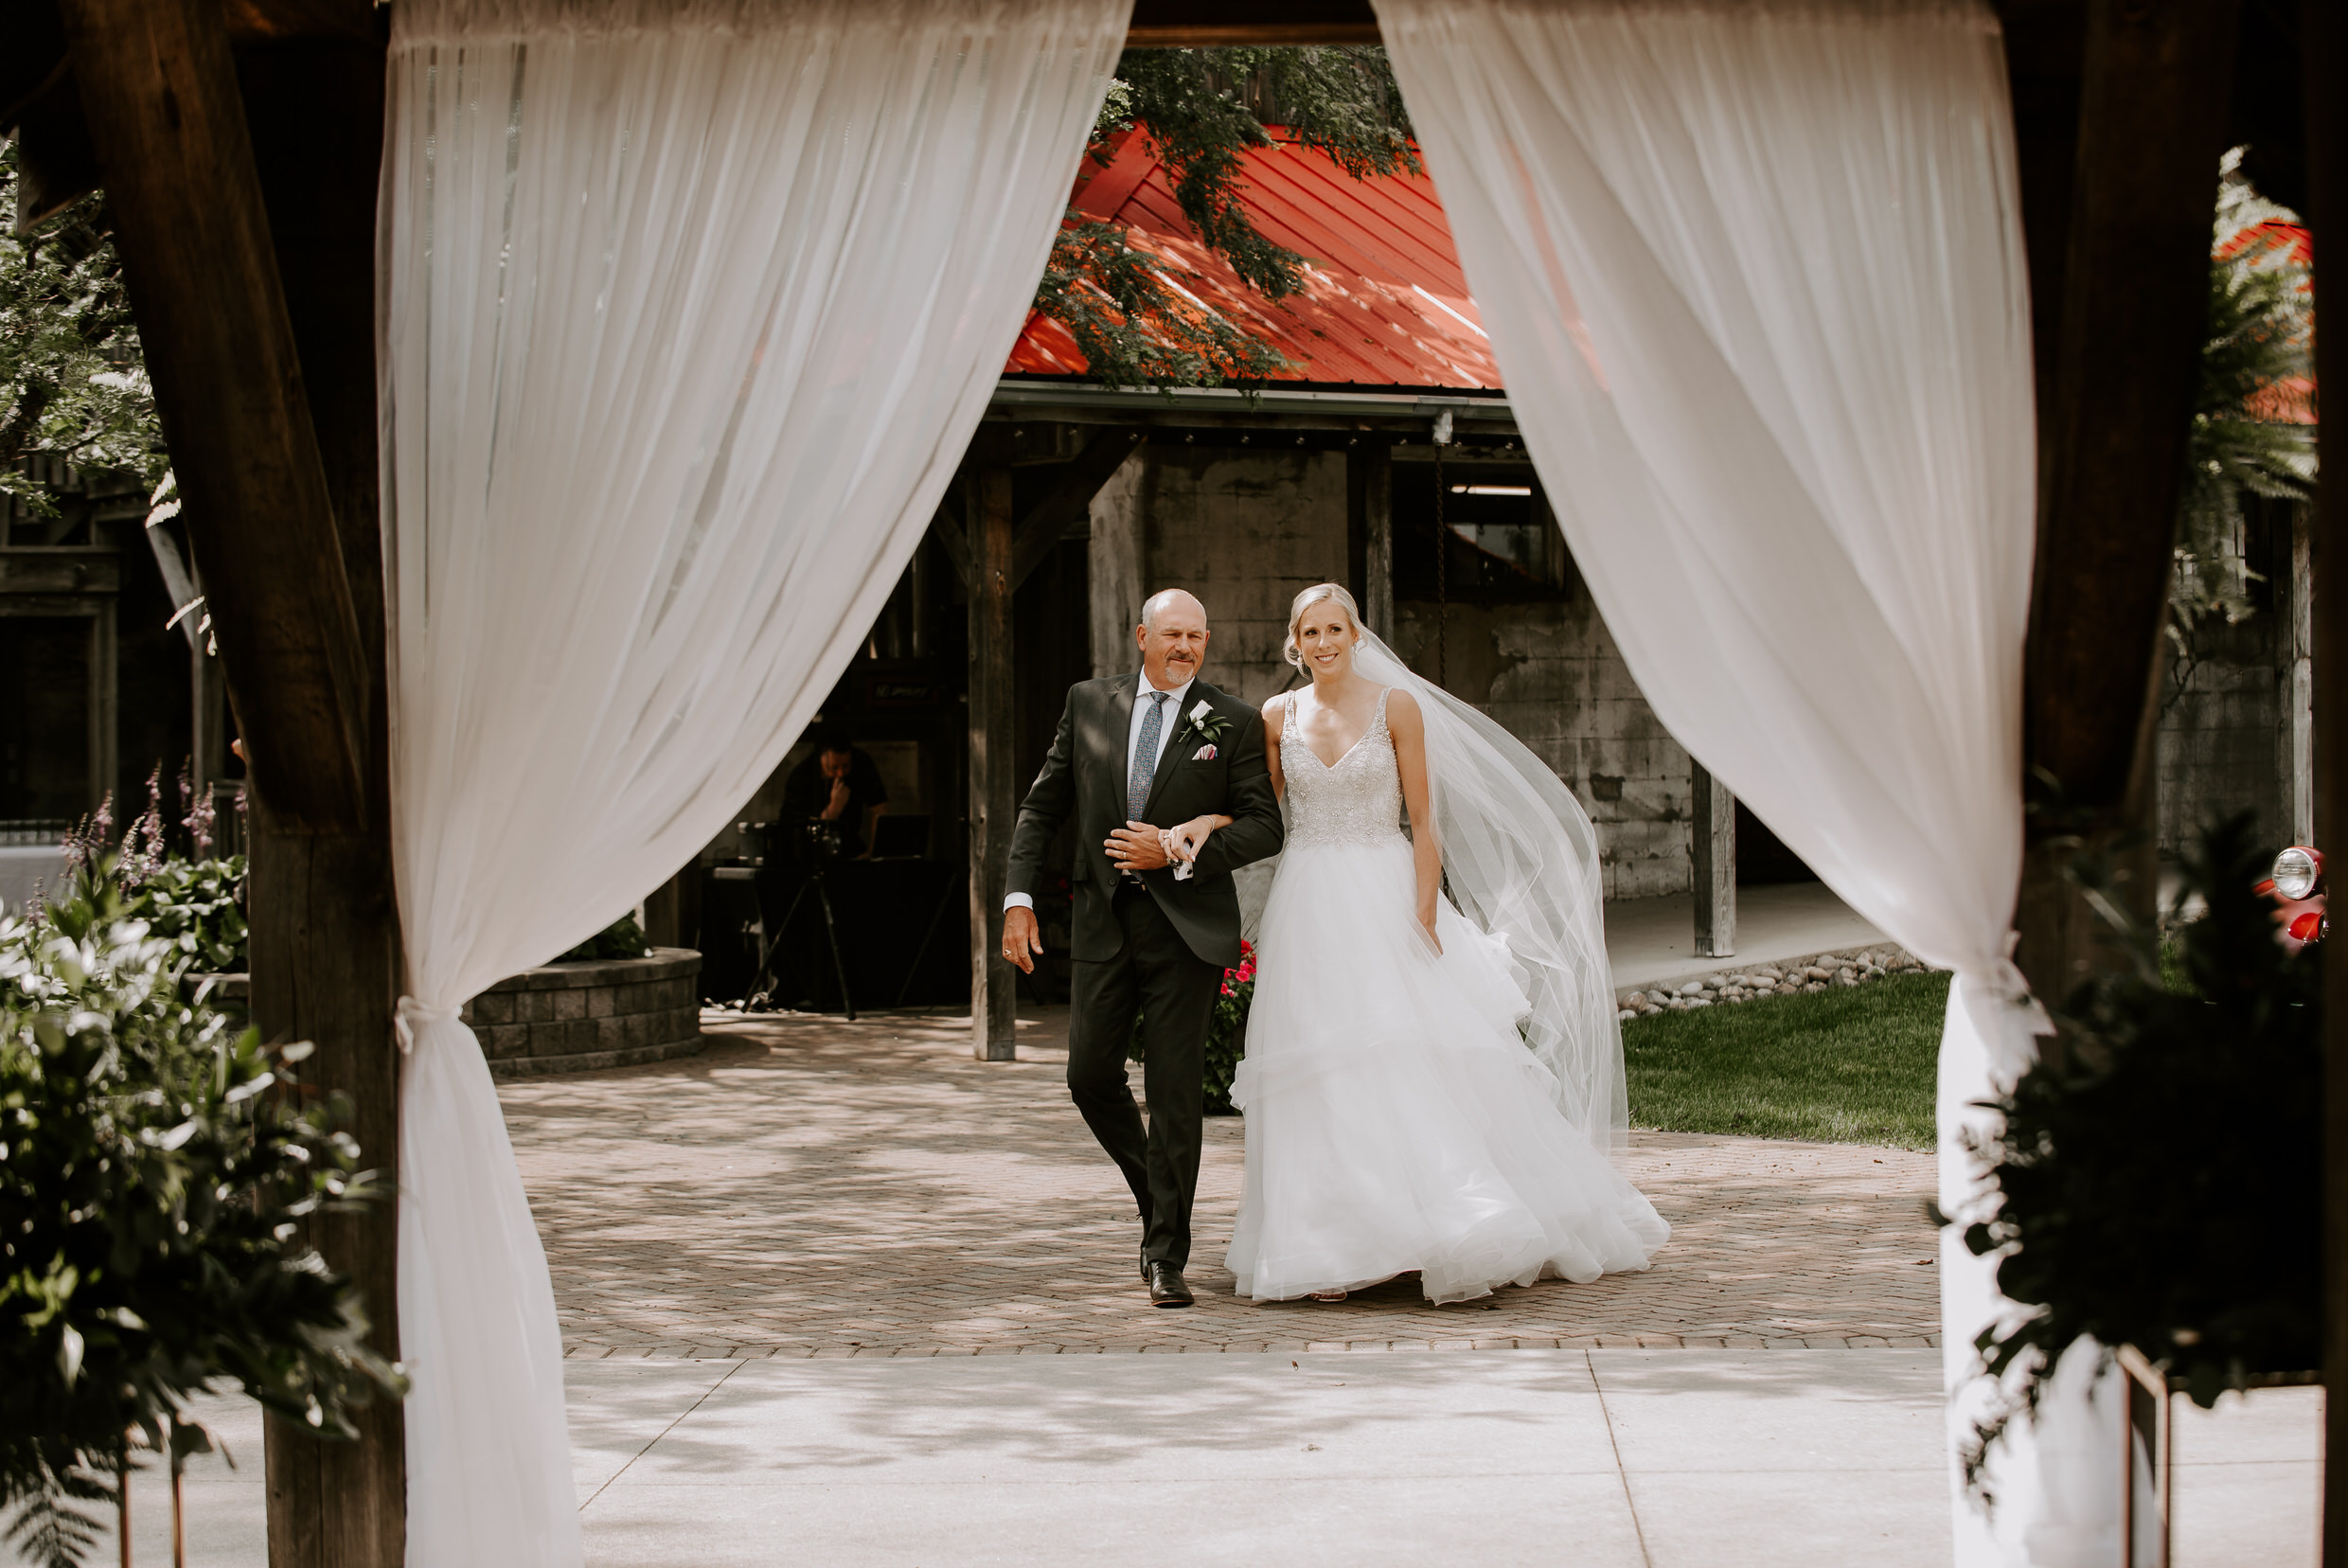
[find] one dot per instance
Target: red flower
(1226, 985)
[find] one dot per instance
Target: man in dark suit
(1136, 754)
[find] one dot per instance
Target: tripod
(766, 980)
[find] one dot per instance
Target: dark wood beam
(1369, 496)
(1041, 529)
(328, 961)
(2325, 67)
(947, 527)
(2124, 335)
(56, 165)
(2128, 184)
(159, 90)
(994, 797)
(1203, 23)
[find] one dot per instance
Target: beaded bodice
(1357, 801)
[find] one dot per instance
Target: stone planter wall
(568, 1018)
(574, 1018)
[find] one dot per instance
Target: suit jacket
(1084, 776)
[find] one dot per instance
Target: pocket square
(1204, 754)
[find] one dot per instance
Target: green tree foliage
(73, 382)
(2161, 1178)
(155, 1168)
(2260, 338)
(1205, 109)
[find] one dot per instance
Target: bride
(1429, 1087)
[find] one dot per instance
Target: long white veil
(1520, 859)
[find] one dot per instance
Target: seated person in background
(839, 784)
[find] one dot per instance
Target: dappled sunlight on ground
(809, 1187)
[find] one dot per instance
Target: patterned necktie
(1144, 758)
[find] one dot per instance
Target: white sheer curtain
(692, 309)
(1753, 271)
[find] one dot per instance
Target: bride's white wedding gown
(1394, 1118)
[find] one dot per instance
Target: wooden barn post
(267, 399)
(2119, 175)
(994, 799)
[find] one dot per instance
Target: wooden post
(992, 535)
(207, 727)
(1713, 831)
(327, 962)
(1377, 464)
(249, 255)
(160, 94)
(2325, 67)
(2117, 195)
(664, 912)
(327, 967)
(2295, 740)
(104, 718)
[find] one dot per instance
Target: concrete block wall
(1244, 530)
(1552, 675)
(2223, 744)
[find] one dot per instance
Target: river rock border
(1817, 972)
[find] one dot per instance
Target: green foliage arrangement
(155, 1169)
(1130, 318)
(2160, 1173)
(197, 906)
(73, 380)
(622, 938)
(1226, 1035)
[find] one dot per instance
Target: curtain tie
(411, 1012)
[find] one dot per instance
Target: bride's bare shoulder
(1402, 711)
(1275, 707)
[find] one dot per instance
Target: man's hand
(1135, 846)
(836, 806)
(1022, 939)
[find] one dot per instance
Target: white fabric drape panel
(690, 312)
(1753, 271)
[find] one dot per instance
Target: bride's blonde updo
(1305, 601)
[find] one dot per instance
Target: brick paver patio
(809, 1188)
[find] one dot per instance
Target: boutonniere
(1205, 722)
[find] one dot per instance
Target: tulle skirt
(1395, 1120)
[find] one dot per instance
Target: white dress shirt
(1167, 724)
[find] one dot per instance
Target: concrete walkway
(1601, 1458)
(1652, 941)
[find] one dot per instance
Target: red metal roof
(1384, 302)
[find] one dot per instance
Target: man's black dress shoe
(1167, 1288)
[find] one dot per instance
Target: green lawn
(1847, 1065)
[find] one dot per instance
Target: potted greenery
(2158, 1176)
(154, 1168)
